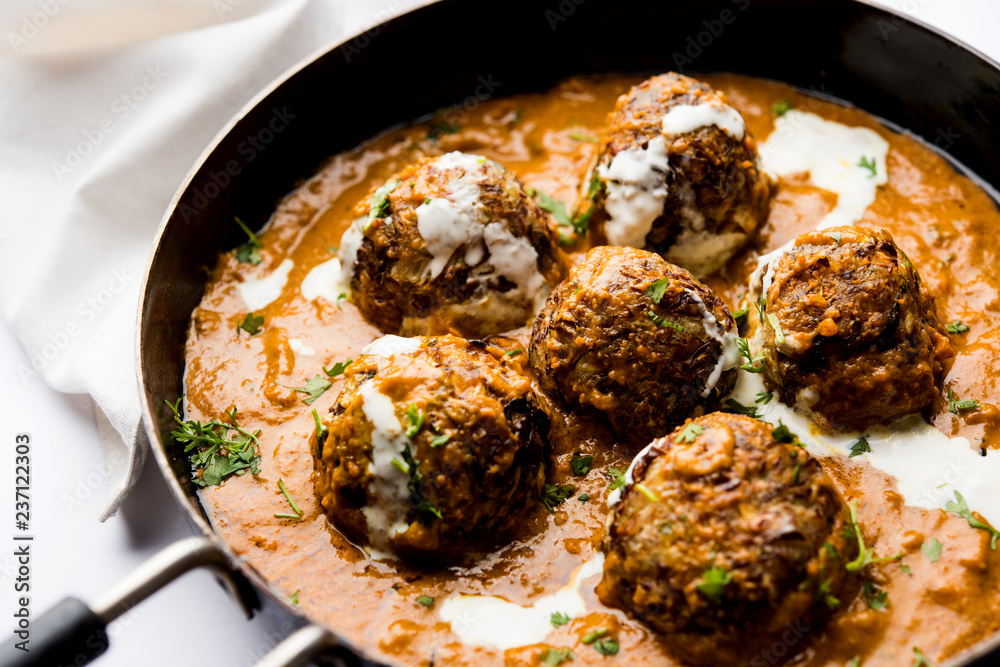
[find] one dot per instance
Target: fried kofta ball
(850, 334)
(434, 448)
(676, 172)
(719, 540)
(636, 339)
(452, 244)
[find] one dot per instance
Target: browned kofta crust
(595, 345)
(862, 336)
(736, 500)
(389, 285)
(482, 480)
(710, 171)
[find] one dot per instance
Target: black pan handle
(72, 633)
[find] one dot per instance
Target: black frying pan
(907, 73)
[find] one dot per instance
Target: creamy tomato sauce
(942, 220)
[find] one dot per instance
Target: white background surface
(193, 619)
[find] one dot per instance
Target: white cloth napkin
(104, 106)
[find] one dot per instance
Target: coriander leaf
(558, 618)
(513, 353)
(961, 508)
(836, 237)
(921, 660)
(416, 418)
(657, 290)
(865, 555)
(337, 369)
(736, 408)
(380, 205)
(249, 252)
(423, 510)
(859, 447)
(869, 164)
(581, 464)
(294, 598)
(291, 502)
(763, 397)
(743, 345)
(689, 432)
(956, 327)
(441, 440)
(584, 497)
(781, 107)
(594, 635)
(660, 322)
(554, 495)
(832, 550)
(314, 387)
(595, 186)
(581, 222)
(906, 569)
(740, 314)
(252, 324)
(617, 478)
(782, 434)
(555, 207)
(606, 646)
(582, 136)
(853, 662)
(215, 449)
(932, 549)
(425, 600)
(955, 406)
(714, 582)
(826, 595)
(341, 297)
(443, 127)
(877, 598)
(761, 305)
(553, 657)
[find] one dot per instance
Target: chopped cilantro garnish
(215, 449)
(956, 327)
(294, 598)
(554, 495)
(877, 598)
(865, 555)
(779, 335)
(955, 406)
(836, 236)
(932, 549)
(337, 369)
(658, 289)
(582, 136)
(735, 407)
(617, 478)
(425, 600)
(763, 397)
(781, 107)
(424, 511)
(249, 252)
(647, 492)
(869, 164)
(513, 353)
(252, 324)
(594, 635)
(920, 660)
(961, 508)
(859, 447)
(689, 432)
(782, 434)
(314, 388)
(380, 201)
(558, 618)
(581, 464)
(291, 502)
(740, 314)
(714, 582)
(555, 207)
(583, 497)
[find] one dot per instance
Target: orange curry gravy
(943, 221)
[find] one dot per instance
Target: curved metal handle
(73, 633)
(297, 648)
